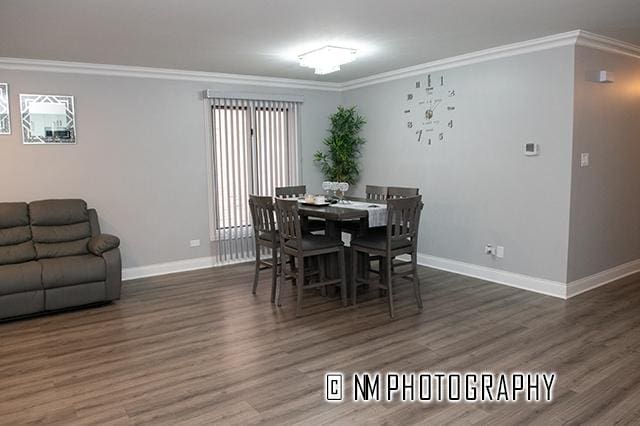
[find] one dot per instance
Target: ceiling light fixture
(327, 59)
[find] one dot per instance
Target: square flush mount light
(327, 59)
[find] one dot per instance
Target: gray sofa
(53, 256)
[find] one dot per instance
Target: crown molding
(520, 48)
(607, 44)
(571, 38)
(162, 73)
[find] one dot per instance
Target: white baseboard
(525, 282)
(582, 285)
(173, 267)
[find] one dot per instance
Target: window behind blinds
(255, 149)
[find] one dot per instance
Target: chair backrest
(400, 192)
(262, 214)
(288, 220)
(291, 191)
(374, 192)
(403, 218)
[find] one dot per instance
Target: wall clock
(430, 109)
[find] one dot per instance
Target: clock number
(429, 143)
(451, 108)
(452, 93)
(410, 96)
(441, 136)
(417, 84)
(441, 80)
(409, 124)
(450, 124)
(429, 80)
(419, 133)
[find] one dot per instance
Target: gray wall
(140, 158)
(605, 201)
(479, 187)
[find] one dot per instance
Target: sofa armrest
(102, 243)
(113, 282)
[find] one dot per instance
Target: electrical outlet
(500, 252)
(584, 159)
(489, 249)
(194, 243)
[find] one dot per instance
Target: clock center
(428, 114)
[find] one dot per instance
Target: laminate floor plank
(199, 348)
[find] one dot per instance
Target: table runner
(377, 212)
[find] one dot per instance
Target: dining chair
(291, 191)
(375, 193)
(372, 193)
(299, 191)
(266, 235)
(300, 246)
(401, 192)
(400, 237)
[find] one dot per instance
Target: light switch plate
(194, 243)
(584, 159)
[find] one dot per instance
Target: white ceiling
(263, 37)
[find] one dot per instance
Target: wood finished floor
(198, 348)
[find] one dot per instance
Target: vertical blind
(255, 149)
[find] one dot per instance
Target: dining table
(358, 213)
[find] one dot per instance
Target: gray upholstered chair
(399, 237)
(301, 246)
(53, 256)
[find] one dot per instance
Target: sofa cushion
(69, 248)
(61, 233)
(13, 214)
(15, 235)
(60, 228)
(20, 278)
(17, 253)
(58, 212)
(71, 270)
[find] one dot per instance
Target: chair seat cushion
(315, 242)
(377, 240)
(266, 236)
(71, 270)
(20, 277)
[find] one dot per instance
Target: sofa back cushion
(15, 234)
(59, 227)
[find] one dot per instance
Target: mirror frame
(28, 137)
(5, 115)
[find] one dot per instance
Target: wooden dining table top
(334, 213)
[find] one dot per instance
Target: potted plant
(340, 162)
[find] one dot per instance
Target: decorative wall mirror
(47, 119)
(5, 120)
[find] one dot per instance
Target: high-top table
(335, 216)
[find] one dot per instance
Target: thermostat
(531, 149)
